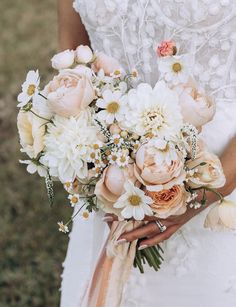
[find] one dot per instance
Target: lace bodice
(130, 31)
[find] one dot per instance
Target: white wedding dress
(200, 265)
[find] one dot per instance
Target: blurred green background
(31, 248)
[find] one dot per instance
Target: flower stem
(42, 96)
(49, 120)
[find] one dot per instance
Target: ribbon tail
(112, 269)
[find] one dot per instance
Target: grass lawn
(31, 248)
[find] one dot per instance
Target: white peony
(153, 111)
(67, 146)
(134, 203)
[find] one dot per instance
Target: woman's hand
(149, 234)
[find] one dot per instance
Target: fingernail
(142, 247)
(121, 241)
(107, 219)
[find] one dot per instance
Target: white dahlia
(153, 110)
(68, 143)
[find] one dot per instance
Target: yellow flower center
(74, 199)
(85, 215)
(67, 184)
(122, 159)
(31, 89)
(96, 146)
(177, 67)
(116, 141)
(113, 107)
(134, 200)
(114, 158)
(93, 155)
(117, 72)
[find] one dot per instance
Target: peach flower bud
(110, 187)
(114, 129)
(69, 93)
(222, 216)
(106, 63)
(166, 48)
(84, 54)
(169, 202)
(63, 59)
(196, 108)
(208, 171)
(153, 171)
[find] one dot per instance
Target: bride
(200, 267)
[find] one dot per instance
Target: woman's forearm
(71, 31)
(228, 160)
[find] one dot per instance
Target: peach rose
(166, 48)
(111, 186)
(197, 108)
(154, 172)
(210, 174)
(69, 93)
(105, 62)
(83, 54)
(63, 59)
(169, 202)
(31, 131)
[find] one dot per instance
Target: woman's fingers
(147, 230)
(159, 237)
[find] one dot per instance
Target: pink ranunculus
(63, 59)
(166, 48)
(69, 93)
(157, 174)
(83, 54)
(105, 62)
(111, 186)
(196, 108)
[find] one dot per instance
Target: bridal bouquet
(120, 145)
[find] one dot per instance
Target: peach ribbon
(112, 269)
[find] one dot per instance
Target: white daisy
(122, 158)
(134, 203)
(33, 167)
(175, 69)
(30, 88)
(152, 111)
(117, 140)
(84, 213)
(74, 199)
(112, 105)
(62, 227)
